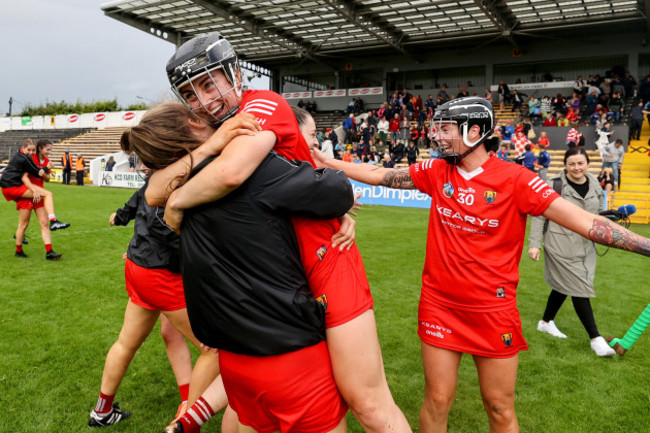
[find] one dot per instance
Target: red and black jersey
(18, 165)
(245, 287)
(476, 230)
(36, 180)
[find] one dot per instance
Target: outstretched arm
(595, 227)
(399, 178)
(164, 181)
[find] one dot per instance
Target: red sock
(19, 248)
(199, 413)
(48, 248)
(185, 391)
(104, 404)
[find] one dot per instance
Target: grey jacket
(616, 152)
(569, 259)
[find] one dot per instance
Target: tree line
(54, 108)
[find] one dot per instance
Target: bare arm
(164, 181)
(399, 178)
(596, 228)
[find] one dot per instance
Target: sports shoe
(601, 348)
(113, 417)
(21, 255)
(174, 427)
(58, 225)
(182, 409)
(51, 255)
(550, 328)
(25, 241)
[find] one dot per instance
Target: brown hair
(27, 142)
(41, 144)
(163, 136)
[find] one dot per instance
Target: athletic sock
(19, 248)
(104, 404)
(195, 416)
(51, 217)
(48, 248)
(185, 391)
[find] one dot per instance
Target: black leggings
(582, 307)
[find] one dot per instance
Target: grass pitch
(58, 320)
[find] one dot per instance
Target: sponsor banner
(128, 115)
(26, 120)
(72, 118)
(296, 95)
(121, 179)
(366, 91)
(381, 195)
(99, 117)
(536, 86)
(329, 93)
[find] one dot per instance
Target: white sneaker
(550, 328)
(601, 348)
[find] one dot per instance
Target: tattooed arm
(596, 228)
(399, 178)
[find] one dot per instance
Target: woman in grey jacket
(570, 259)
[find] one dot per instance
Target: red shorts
(28, 203)
(339, 282)
(154, 289)
(289, 393)
(14, 192)
(492, 334)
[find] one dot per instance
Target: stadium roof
(270, 32)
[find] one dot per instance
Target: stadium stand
(12, 140)
(91, 145)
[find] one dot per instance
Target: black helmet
(465, 112)
(198, 56)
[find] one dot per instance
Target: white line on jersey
(537, 184)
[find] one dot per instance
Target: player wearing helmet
(205, 75)
(476, 231)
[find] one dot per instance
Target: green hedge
(54, 108)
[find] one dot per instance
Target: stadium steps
(90, 145)
(635, 180)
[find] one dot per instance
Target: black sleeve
(297, 188)
(27, 165)
(128, 212)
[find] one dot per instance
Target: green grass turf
(58, 320)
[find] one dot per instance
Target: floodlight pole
(11, 101)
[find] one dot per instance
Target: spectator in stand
(517, 101)
(349, 126)
(462, 92)
(613, 157)
(372, 122)
(534, 107)
(592, 101)
(422, 118)
(559, 103)
(561, 119)
(418, 103)
(383, 128)
(442, 95)
(301, 104)
(636, 121)
(66, 164)
(398, 152)
(310, 106)
(423, 138)
(579, 86)
(574, 138)
(502, 154)
(350, 107)
(543, 159)
(412, 153)
(528, 160)
(404, 130)
(394, 128)
(504, 94)
(602, 119)
(488, 95)
(347, 155)
(382, 110)
(571, 115)
(430, 105)
(110, 164)
(543, 139)
(331, 135)
(365, 131)
(133, 160)
(433, 151)
(529, 131)
(520, 141)
(615, 106)
(606, 89)
(546, 106)
(339, 149)
(629, 84)
(575, 102)
(80, 169)
(327, 147)
(358, 105)
(373, 156)
(606, 180)
(507, 132)
(388, 162)
(550, 120)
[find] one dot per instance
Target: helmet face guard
(203, 56)
(464, 112)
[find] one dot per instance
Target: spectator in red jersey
(550, 120)
(477, 314)
(393, 127)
